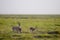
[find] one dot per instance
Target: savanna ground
(44, 23)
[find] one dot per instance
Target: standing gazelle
(17, 28)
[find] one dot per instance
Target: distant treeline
(29, 16)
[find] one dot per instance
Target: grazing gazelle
(32, 29)
(17, 28)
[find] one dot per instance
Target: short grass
(43, 23)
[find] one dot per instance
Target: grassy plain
(43, 23)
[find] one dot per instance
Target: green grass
(43, 24)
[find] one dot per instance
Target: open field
(43, 24)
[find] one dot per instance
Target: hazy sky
(29, 6)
